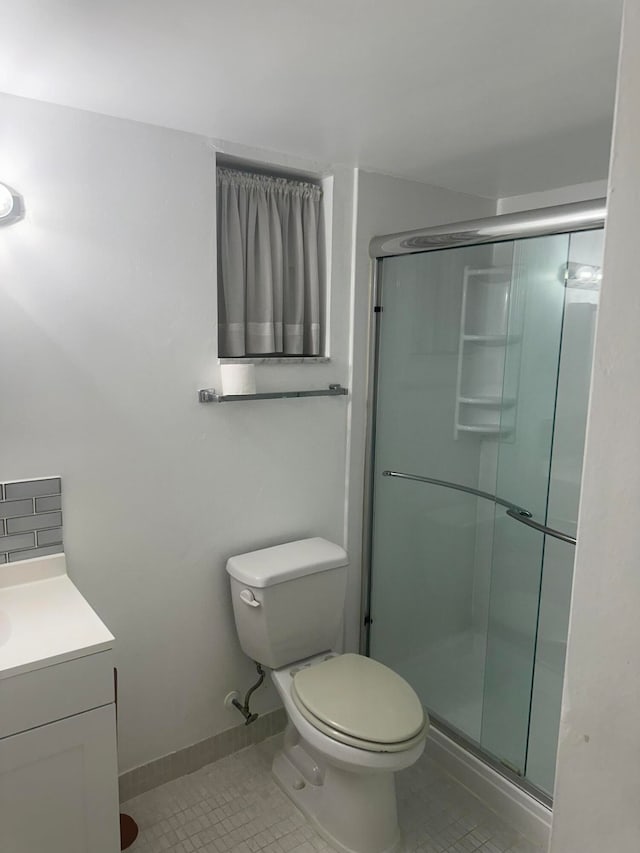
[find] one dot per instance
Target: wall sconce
(11, 205)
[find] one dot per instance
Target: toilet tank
(288, 601)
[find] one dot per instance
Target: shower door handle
(518, 515)
(457, 487)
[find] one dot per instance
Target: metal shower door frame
(560, 219)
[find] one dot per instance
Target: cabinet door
(58, 787)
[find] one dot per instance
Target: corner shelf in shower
(484, 337)
(484, 429)
(492, 340)
(489, 402)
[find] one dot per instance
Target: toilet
(352, 722)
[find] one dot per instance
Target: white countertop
(43, 617)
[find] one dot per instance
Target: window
(269, 265)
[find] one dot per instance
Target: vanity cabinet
(57, 791)
(58, 759)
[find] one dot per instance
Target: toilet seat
(360, 702)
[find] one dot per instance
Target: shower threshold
(502, 769)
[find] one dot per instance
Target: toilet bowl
(352, 722)
(340, 755)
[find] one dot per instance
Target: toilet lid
(361, 698)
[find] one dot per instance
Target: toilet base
(354, 812)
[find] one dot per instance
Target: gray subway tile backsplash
(30, 519)
(34, 522)
(35, 552)
(49, 537)
(49, 504)
(10, 509)
(16, 543)
(32, 488)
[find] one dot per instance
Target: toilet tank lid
(270, 566)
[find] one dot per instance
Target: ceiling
(493, 97)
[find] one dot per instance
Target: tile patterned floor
(234, 806)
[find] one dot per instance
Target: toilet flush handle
(248, 597)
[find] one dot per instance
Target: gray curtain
(268, 265)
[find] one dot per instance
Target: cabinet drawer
(54, 692)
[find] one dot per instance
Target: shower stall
(482, 358)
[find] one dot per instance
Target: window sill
(285, 359)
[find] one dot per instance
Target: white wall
(107, 330)
(108, 323)
(384, 205)
(548, 198)
(597, 787)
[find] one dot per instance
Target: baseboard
(517, 808)
(193, 757)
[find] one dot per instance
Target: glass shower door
(425, 537)
(469, 351)
(522, 465)
(574, 378)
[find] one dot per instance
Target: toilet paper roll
(238, 379)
